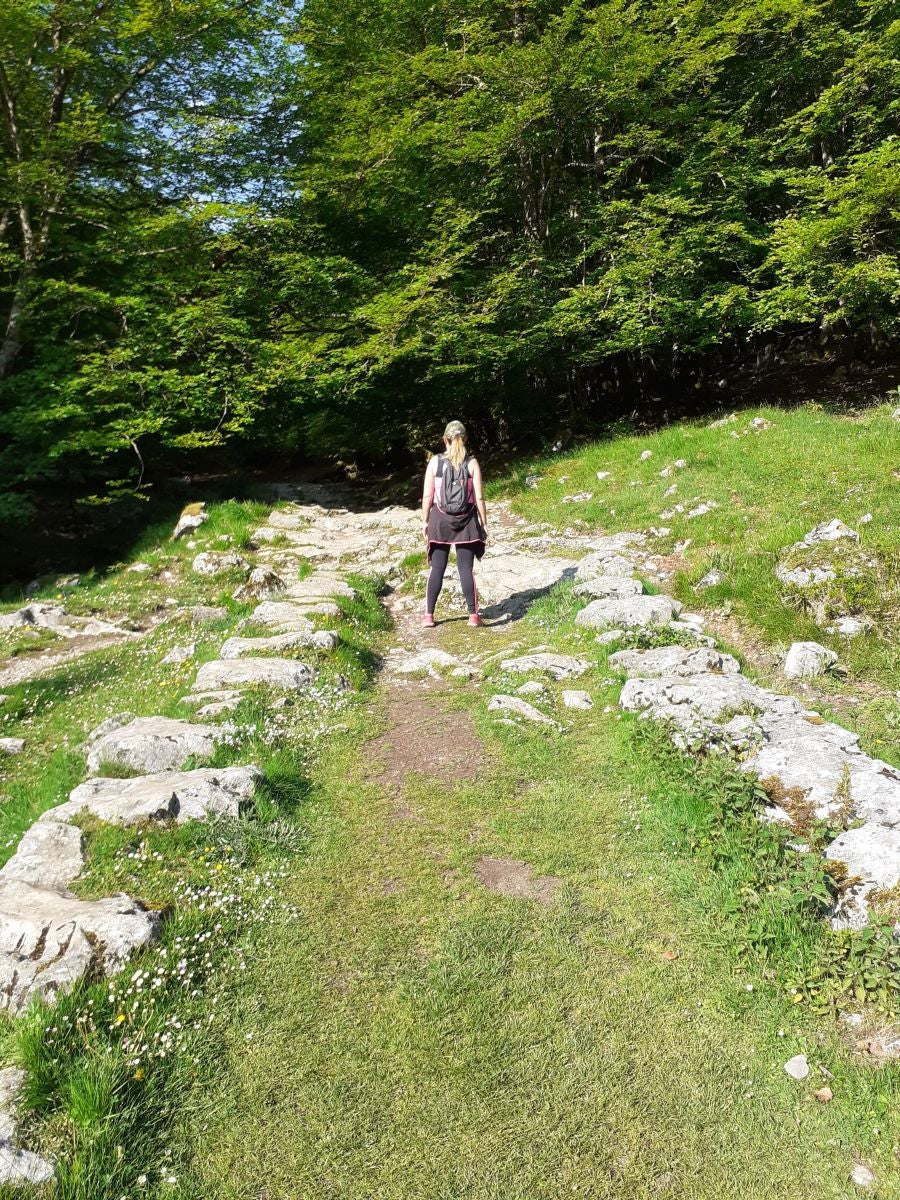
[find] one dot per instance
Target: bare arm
(427, 496)
(479, 492)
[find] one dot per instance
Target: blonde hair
(455, 451)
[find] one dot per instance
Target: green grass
(111, 1066)
(415, 1035)
(771, 487)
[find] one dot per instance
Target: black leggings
(465, 561)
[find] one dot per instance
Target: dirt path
(496, 986)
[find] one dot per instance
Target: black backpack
(455, 493)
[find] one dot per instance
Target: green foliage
(530, 214)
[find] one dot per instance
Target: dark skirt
(449, 530)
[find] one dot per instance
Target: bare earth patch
(424, 737)
(510, 877)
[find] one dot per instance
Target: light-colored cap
(455, 429)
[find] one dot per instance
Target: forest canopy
(254, 225)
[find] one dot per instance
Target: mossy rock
(835, 579)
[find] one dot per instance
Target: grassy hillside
(772, 475)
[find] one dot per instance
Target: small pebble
(797, 1067)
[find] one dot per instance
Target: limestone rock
(532, 688)
(212, 563)
(165, 796)
(521, 708)
(604, 563)
(711, 579)
(693, 701)
(560, 666)
(283, 673)
(702, 509)
(180, 653)
(810, 758)
(602, 586)
(577, 699)
(192, 517)
(283, 617)
(807, 659)
(830, 531)
(636, 612)
(11, 745)
(674, 660)
(431, 662)
(48, 856)
(49, 940)
(862, 1177)
(797, 1067)
(262, 584)
(611, 637)
(240, 647)
(17, 1166)
(150, 744)
(871, 854)
(847, 627)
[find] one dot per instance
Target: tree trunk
(12, 338)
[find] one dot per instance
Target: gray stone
(191, 518)
(711, 579)
(521, 708)
(262, 584)
(830, 531)
(166, 796)
(150, 744)
(702, 509)
(532, 688)
(847, 627)
(611, 637)
(601, 586)
(606, 563)
(139, 568)
(577, 699)
(17, 1166)
(636, 612)
(693, 701)
(871, 854)
(805, 660)
(214, 562)
(674, 660)
(862, 1177)
(241, 647)
(11, 745)
(804, 577)
(283, 673)
(797, 1067)
(180, 653)
(48, 856)
(49, 940)
(283, 617)
(431, 661)
(560, 666)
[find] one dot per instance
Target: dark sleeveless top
(455, 530)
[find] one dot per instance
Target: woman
(453, 514)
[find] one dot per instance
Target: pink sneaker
(427, 621)
(474, 619)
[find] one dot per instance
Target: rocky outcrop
(49, 939)
(166, 796)
(17, 1166)
(286, 674)
(149, 744)
(635, 612)
(560, 666)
